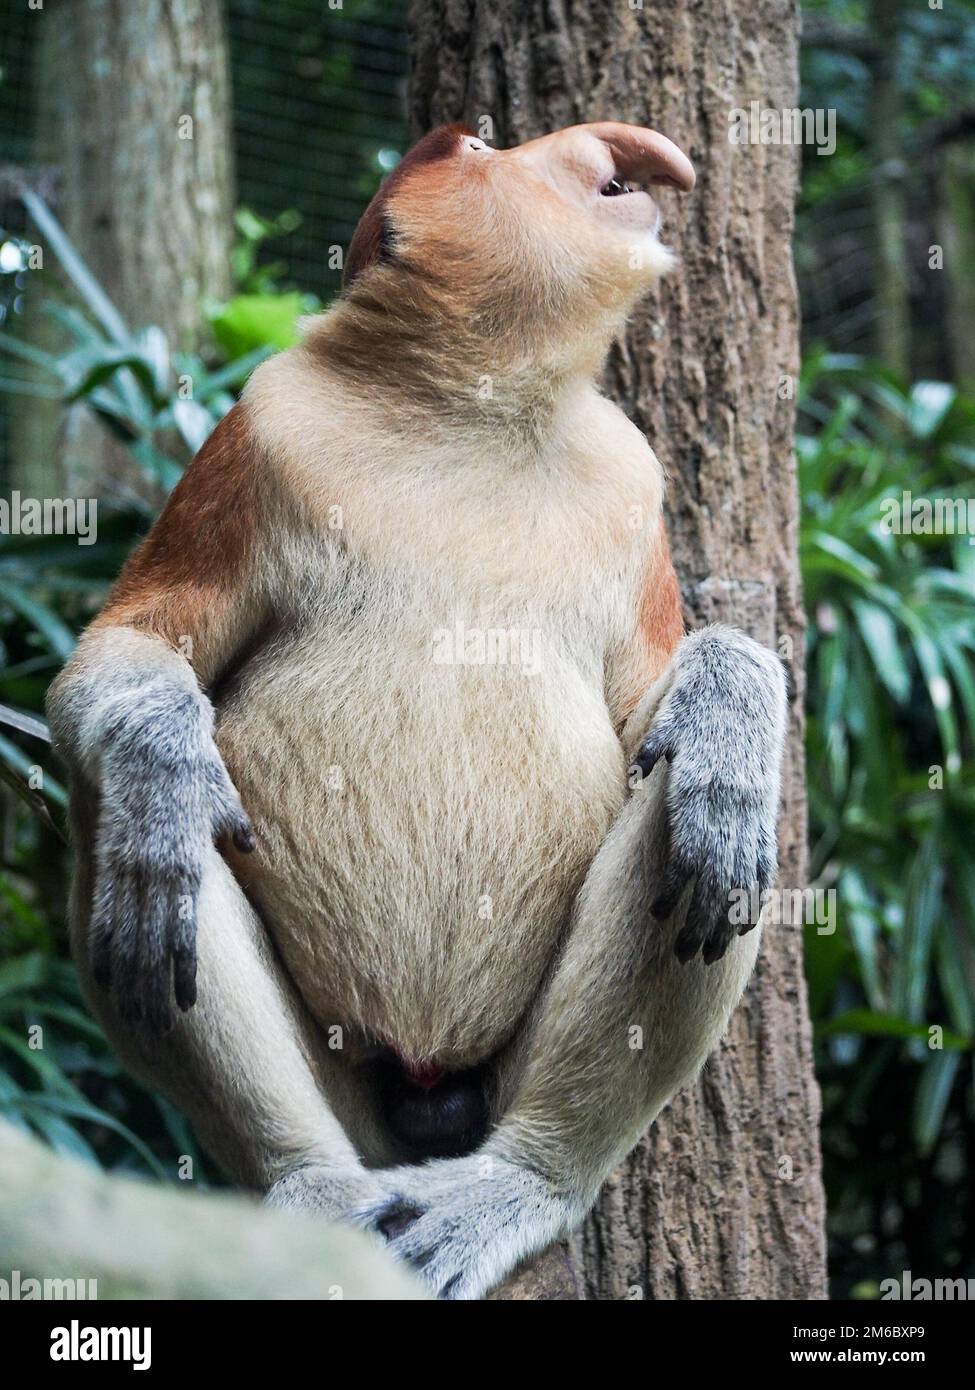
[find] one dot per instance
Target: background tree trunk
(724, 1196)
(138, 97)
(134, 103)
(887, 190)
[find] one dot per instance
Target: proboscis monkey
(407, 818)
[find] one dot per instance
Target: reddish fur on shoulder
(660, 627)
(185, 573)
(661, 617)
(366, 246)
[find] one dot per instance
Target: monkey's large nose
(644, 155)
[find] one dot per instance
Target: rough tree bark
(723, 1199)
(138, 98)
(135, 115)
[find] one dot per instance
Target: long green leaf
(79, 274)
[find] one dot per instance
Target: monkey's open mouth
(614, 188)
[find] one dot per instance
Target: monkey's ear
(375, 237)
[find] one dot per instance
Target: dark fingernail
(713, 950)
(184, 981)
(685, 947)
(244, 839)
(397, 1219)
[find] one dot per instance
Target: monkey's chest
(427, 798)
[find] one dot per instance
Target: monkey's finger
(390, 1217)
(674, 882)
(754, 910)
(767, 859)
(235, 823)
(652, 749)
(122, 944)
(717, 941)
(144, 966)
(243, 838)
(730, 923)
(232, 820)
(229, 816)
(184, 977)
(184, 954)
(697, 926)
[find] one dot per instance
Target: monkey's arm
(720, 727)
(713, 708)
(131, 719)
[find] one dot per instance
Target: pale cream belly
(419, 850)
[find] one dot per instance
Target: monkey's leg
(630, 1013)
(246, 1064)
(623, 1026)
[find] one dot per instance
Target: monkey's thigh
(244, 1063)
(623, 1024)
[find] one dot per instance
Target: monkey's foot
(464, 1223)
(330, 1190)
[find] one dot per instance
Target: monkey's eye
(614, 188)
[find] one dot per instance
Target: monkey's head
(551, 240)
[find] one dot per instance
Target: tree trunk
(139, 98)
(724, 1196)
(134, 103)
(887, 191)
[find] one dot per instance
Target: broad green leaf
(257, 321)
(879, 633)
(81, 277)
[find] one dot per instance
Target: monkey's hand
(721, 730)
(165, 796)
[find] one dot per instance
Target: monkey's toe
(463, 1224)
(396, 1218)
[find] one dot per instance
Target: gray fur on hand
(721, 730)
(165, 796)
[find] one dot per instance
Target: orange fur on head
(512, 265)
(374, 231)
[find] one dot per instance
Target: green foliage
(60, 1079)
(160, 404)
(251, 275)
(252, 321)
(265, 313)
(891, 732)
